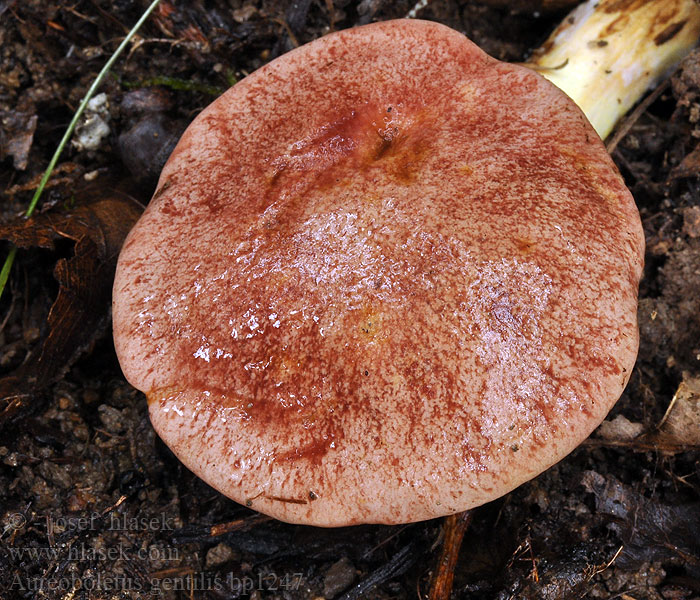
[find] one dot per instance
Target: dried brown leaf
(16, 136)
(80, 312)
(682, 422)
(689, 167)
(649, 529)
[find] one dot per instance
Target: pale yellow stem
(607, 53)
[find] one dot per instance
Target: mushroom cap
(384, 278)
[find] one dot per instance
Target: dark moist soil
(93, 505)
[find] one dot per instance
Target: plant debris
(681, 423)
(649, 530)
(16, 136)
(79, 315)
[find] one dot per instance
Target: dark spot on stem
(669, 33)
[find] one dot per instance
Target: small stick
(634, 116)
(454, 528)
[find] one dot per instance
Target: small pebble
(339, 577)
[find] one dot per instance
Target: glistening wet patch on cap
(383, 279)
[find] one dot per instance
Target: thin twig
(633, 117)
(441, 581)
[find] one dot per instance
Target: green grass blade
(6, 268)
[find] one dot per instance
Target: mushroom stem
(606, 54)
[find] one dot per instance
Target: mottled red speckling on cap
(384, 278)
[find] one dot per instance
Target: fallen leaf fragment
(689, 166)
(682, 421)
(16, 136)
(81, 310)
(649, 528)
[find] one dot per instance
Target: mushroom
(384, 278)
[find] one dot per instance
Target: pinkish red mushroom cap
(384, 278)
